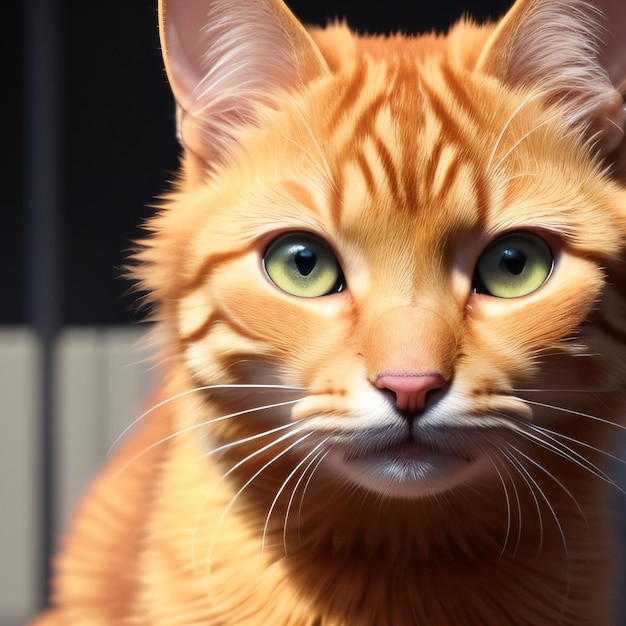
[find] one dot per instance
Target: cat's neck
(456, 580)
(331, 543)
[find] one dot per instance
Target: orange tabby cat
(390, 289)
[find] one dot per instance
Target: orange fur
(237, 504)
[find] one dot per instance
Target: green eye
(513, 265)
(303, 265)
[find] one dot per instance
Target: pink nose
(410, 389)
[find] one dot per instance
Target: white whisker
(518, 142)
(219, 449)
(230, 505)
(239, 442)
(319, 160)
(306, 487)
(552, 511)
(188, 392)
(263, 449)
(546, 499)
(500, 137)
(508, 506)
(573, 412)
(569, 390)
(523, 473)
(203, 424)
(555, 433)
(317, 458)
(567, 453)
(282, 488)
(519, 511)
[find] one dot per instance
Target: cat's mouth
(406, 468)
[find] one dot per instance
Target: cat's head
(420, 238)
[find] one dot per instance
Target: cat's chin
(406, 470)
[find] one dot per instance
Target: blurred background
(87, 144)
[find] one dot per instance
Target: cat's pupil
(305, 261)
(513, 261)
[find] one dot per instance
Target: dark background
(101, 92)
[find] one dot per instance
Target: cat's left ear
(574, 52)
(226, 58)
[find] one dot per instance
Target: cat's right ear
(224, 59)
(574, 53)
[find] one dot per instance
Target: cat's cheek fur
(284, 321)
(570, 294)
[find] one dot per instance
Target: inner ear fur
(573, 53)
(224, 59)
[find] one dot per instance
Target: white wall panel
(104, 376)
(19, 473)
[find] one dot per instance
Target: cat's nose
(410, 389)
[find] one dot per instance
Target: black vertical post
(42, 198)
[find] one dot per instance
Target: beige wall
(102, 377)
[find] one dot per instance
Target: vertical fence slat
(19, 474)
(79, 395)
(102, 378)
(42, 198)
(129, 364)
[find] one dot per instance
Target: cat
(389, 288)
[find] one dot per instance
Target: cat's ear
(573, 52)
(224, 59)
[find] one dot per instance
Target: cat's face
(419, 253)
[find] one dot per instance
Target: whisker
(187, 392)
(508, 506)
(306, 487)
(523, 473)
(219, 449)
(577, 441)
(519, 511)
(560, 484)
(321, 454)
(282, 488)
(230, 505)
(203, 424)
(552, 511)
(500, 137)
(573, 412)
(520, 141)
(569, 454)
(238, 442)
(569, 390)
(263, 449)
(523, 174)
(319, 160)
